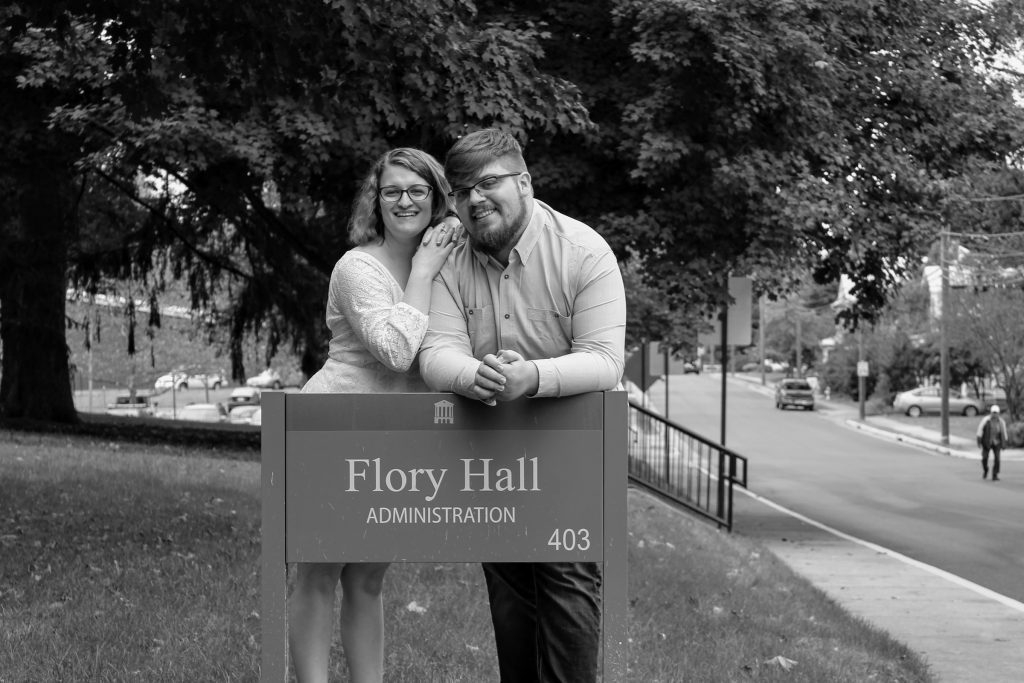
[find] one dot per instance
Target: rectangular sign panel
(442, 478)
(455, 495)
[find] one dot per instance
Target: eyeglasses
(391, 194)
(488, 184)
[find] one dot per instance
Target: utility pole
(799, 365)
(760, 336)
(862, 381)
(943, 341)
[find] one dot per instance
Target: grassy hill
(178, 343)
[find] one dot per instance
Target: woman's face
(404, 218)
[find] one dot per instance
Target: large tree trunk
(33, 283)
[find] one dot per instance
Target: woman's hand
(437, 242)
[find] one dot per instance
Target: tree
(991, 324)
(772, 138)
(221, 145)
(802, 319)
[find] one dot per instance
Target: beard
(495, 239)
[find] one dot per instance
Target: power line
(981, 235)
(993, 198)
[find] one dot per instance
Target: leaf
(783, 663)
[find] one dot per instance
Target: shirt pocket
(480, 325)
(549, 325)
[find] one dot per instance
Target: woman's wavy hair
(367, 223)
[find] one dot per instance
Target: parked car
(203, 412)
(180, 379)
(213, 380)
(243, 396)
(690, 368)
(794, 392)
(921, 400)
(241, 414)
(993, 397)
(132, 407)
(268, 379)
(176, 379)
(257, 417)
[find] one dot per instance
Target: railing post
(721, 483)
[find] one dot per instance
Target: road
(935, 509)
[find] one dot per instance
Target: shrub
(877, 406)
(1015, 431)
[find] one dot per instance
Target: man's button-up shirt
(559, 302)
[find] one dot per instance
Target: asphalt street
(933, 508)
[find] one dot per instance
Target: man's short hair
(472, 152)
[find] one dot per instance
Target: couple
(532, 304)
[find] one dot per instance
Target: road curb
(921, 443)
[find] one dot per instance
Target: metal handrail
(684, 466)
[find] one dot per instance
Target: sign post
(439, 477)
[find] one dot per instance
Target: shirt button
(471, 312)
(506, 276)
(507, 316)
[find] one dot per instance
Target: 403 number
(570, 539)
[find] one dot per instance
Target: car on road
(204, 412)
(268, 379)
(690, 368)
(243, 396)
(795, 392)
(921, 400)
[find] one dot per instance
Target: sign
(862, 368)
(442, 478)
(740, 323)
(644, 371)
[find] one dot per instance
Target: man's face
(495, 211)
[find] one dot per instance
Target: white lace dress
(374, 336)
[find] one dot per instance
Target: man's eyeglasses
(488, 184)
(391, 194)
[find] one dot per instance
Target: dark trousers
(547, 620)
(995, 459)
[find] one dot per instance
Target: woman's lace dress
(374, 336)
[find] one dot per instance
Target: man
(991, 437)
(531, 305)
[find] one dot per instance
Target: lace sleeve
(366, 294)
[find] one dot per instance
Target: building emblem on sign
(444, 412)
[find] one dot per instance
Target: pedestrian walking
(992, 437)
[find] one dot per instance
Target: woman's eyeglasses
(391, 194)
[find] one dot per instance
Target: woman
(377, 310)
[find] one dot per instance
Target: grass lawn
(959, 426)
(127, 561)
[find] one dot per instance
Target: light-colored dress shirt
(374, 335)
(560, 302)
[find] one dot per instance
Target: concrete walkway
(967, 633)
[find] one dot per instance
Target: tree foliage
(777, 138)
(221, 144)
(989, 323)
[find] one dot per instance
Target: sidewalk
(967, 633)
